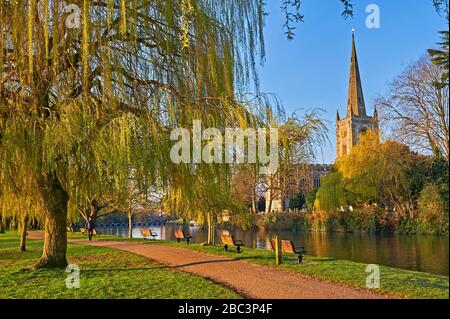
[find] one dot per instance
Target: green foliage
(441, 6)
(297, 201)
(291, 221)
(432, 209)
(367, 219)
(410, 190)
(310, 199)
(439, 168)
(292, 14)
(440, 57)
(331, 194)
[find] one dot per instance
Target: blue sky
(312, 70)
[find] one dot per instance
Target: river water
(420, 253)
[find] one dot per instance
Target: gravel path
(250, 280)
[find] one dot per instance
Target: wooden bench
(288, 246)
(228, 240)
(69, 229)
(83, 231)
(148, 233)
(180, 235)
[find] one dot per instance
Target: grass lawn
(104, 273)
(399, 282)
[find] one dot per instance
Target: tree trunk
(130, 221)
(209, 229)
(213, 228)
(130, 225)
(2, 227)
(55, 200)
(23, 233)
(254, 205)
(269, 207)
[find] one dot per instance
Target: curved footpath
(250, 280)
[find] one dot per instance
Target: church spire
(375, 119)
(356, 105)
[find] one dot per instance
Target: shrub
(433, 209)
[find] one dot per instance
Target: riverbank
(367, 220)
(104, 273)
(422, 253)
(399, 282)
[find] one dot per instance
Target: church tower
(356, 121)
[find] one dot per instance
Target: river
(420, 252)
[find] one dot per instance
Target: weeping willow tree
(209, 194)
(19, 201)
(203, 191)
(21, 210)
(89, 92)
(100, 100)
(300, 135)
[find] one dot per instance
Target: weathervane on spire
(353, 32)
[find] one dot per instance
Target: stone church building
(356, 121)
(307, 177)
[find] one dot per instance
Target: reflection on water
(421, 253)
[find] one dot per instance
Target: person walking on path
(90, 226)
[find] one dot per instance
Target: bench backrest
(94, 232)
(227, 239)
(82, 230)
(145, 232)
(287, 246)
(179, 234)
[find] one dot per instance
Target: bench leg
(178, 239)
(300, 258)
(225, 247)
(238, 249)
(187, 241)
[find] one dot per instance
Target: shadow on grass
(205, 262)
(322, 259)
(262, 258)
(88, 270)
